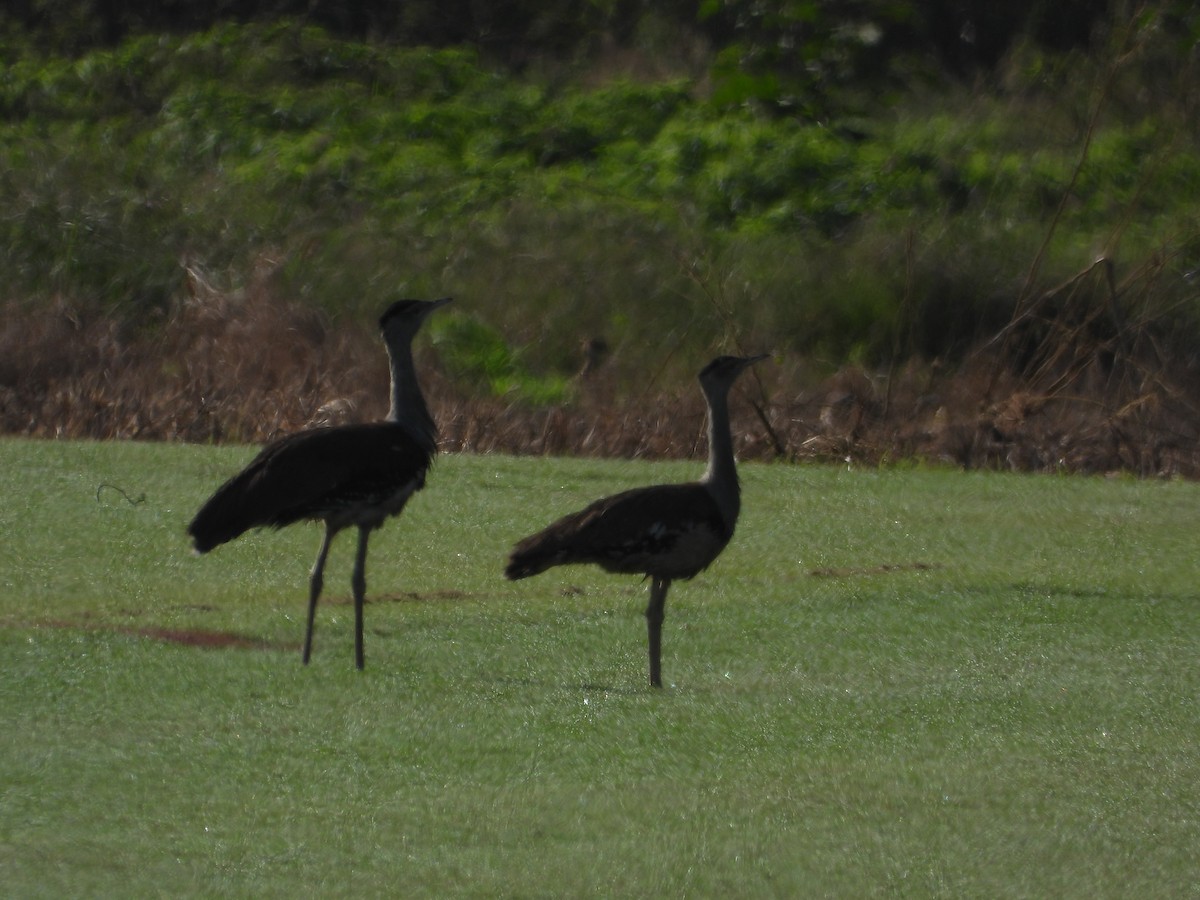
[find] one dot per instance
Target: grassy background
(895, 682)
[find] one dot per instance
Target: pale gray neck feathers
(408, 405)
(720, 478)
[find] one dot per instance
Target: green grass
(991, 690)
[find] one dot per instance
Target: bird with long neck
(347, 475)
(664, 532)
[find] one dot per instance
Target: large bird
(347, 475)
(664, 532)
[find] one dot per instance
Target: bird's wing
(627, 532)
(308, 475)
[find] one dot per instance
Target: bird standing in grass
(664, 532)
(347, 475)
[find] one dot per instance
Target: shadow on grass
(585, 687)
(441, 596)
(881, 569)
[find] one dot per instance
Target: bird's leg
(655, 613)
(316, 579)
(359, 583)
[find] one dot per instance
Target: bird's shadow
(586, 687)
(447, 595)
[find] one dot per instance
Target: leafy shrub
(566, 213)
(478, 355)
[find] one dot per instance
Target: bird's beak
(751, 360)
(438, 304)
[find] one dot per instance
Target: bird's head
(722, 372)
(406, 316)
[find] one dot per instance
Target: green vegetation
(902, 681)
(566, 204)
(895, 681)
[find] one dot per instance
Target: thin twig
(132, 501)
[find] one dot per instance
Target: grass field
(903, 682)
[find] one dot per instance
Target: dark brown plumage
(347, 475)
(665, 532)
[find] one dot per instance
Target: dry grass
(1065, 387)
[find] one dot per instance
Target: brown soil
(190, 637)
(195, 637)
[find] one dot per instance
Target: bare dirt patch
(196, 637)
(203, 638)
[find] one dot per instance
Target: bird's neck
(408, 404)
(721, 476)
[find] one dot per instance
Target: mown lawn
(904, 682)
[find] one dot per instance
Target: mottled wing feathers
(312, 475)
(670, 531)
